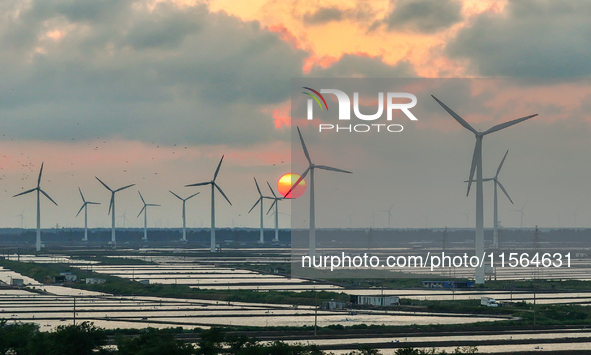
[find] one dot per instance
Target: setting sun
(286, 182)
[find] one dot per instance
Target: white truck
(488, 301)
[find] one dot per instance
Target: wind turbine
(467, 214)
(276, 204)
(477, 165)
(389, 212)
(145, 210)
(85, 207)
(39, 191)
(311, 167)
(112, 209)
(21, 216)
(260, 200)
(496, 213)
(213, 185)
(184, 239)
(521, 214)
(124, 217)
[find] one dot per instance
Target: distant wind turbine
(39, 191)
(389, 212)
(276, 204)
(521, 214)
(112, 209)
(21, 216)
(145, 210)
(477, 165)
(85, 207)
(496, 212)
(124, 217)
(311, 167)
(213, 185)
(184, 238)
(260, 200)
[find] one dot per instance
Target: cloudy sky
(154, 92)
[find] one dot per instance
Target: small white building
(375, 300)
(17, 282)
(94, 280)
(69, 277)
(144, 282)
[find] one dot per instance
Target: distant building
(17, 282)
(278, 270)
(448, 284)
(332, 304)
(375, 300)
(93, 280)
(69, 277)
(144, 282)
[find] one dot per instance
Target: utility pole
(74, 310)
(316, 315)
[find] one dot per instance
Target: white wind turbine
(38, 244)
(85, 207)
(213, 185)
(521, 214)
(276, 204)
(477, 165)
(389, 212)
(496, 213)
(145, 210)
(112, 209)
(311, 167)
(495, 179)
(260, 200)
(184, 238)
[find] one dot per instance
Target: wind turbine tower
(260, 200)
(112, 209)
(276, 204)
(310, 169)
(389, 212)
(477, 165)
(145, 210)
(38, 244)
(85, 207)
(184, 239)
(213, 187)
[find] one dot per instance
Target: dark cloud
(123, 69)
(323, 15)
(425, 16)
(529, 39)
(355, 66)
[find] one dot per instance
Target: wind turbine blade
(501, 165)
(193, 195)
(142, 210)
(142, 197)
(177, 196)
(81, 208)
(258, 189)
(199, 184)
(298, 181)
(222, 192)
(218, 169)
(124, 187)
(456, 116)
(507, 124)
(40, 172)
(152, 204)
(473, 167)
(105, 185)
(332, 169)
(81, 195)
(259, 200)
(270, 188)
(270, 208)
(26, 192)
(304, 146)
(505, 191)
(93, 203)
(46, 195)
